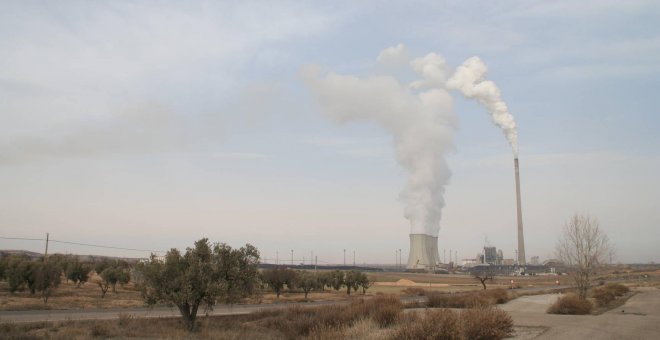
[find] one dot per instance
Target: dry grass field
(68, 296)
(380, 318)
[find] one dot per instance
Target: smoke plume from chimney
(419, 116)
(469, 80)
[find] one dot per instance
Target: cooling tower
(436, 254)
(521, 238)
(432, 250)
(419, 253)
(429, 250)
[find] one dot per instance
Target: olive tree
(111, 273)
(336, 279)
(307, 282)
(237, 271)
(364, 282)
(583, 247)
(47, 277)
(351, 280)
(20, 273)
(4, 262)
(77, 272)
(201, 276)
(277, 277)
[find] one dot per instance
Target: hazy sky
(149, 125)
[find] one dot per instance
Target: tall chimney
(521, 238)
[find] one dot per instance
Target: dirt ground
(68, 296)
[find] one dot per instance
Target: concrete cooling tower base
(423, 252)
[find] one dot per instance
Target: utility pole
(444, 256)
(316, 263)
(277, 257)
(291, 257)
(400, 260)
(344, 257)
(46, 252)
(353, 258)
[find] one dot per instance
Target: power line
(108, 247)
(82, 244)
(23, 238)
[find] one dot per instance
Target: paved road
(108, 314)
(639, 318)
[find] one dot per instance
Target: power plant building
(490, 254)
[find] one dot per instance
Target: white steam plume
(469, 80)
(419, 117)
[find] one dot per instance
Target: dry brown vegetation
(460, 280)
(486, 323)
(570, 304)
(298, 321)
(432, 324)
(607, 293)
(378, 318)
(480, 298)
(69, 296)
(474, 323)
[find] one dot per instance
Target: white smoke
(469, 80)
(433, 68)
(419, 117)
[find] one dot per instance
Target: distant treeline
(320, 267)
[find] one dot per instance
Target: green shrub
(570, 304)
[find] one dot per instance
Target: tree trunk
(188, 315)
(104, 289)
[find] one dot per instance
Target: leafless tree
(484, 275)
(584, 248)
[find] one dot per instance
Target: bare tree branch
(584, 248)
